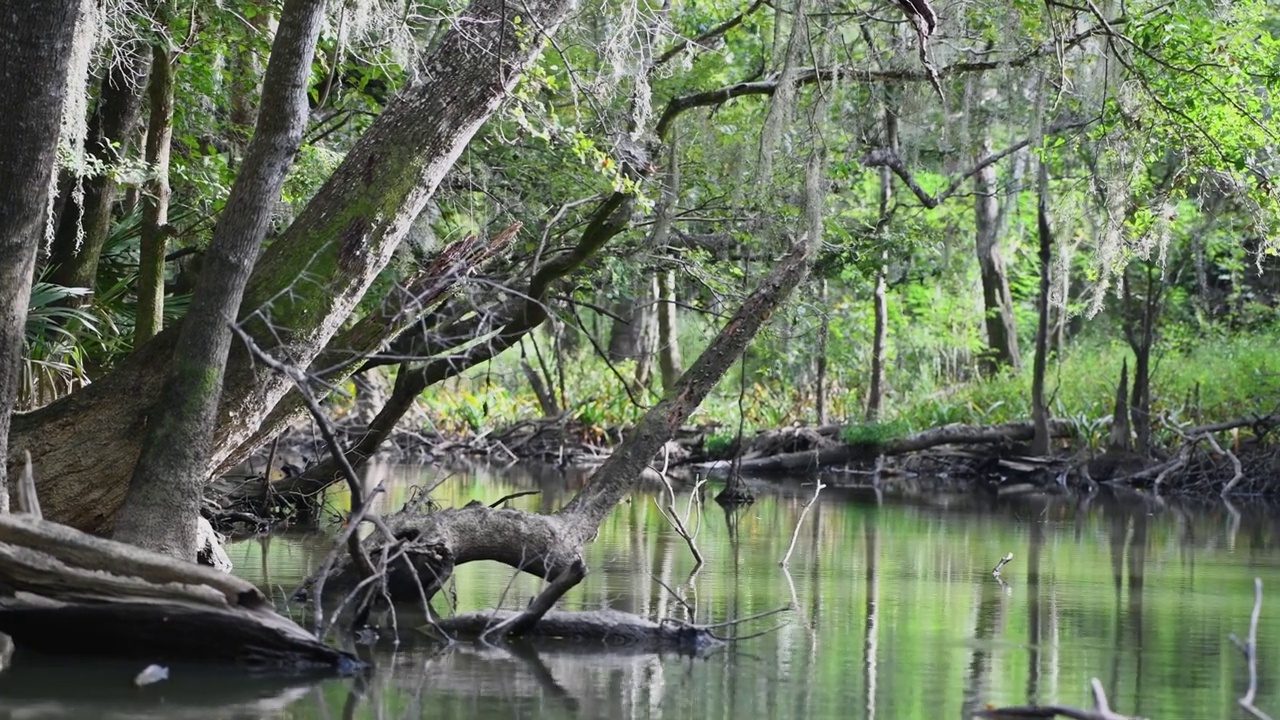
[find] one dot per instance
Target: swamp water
(898, 616)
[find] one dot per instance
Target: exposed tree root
(68, 592)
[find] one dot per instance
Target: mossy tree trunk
(86, 445)
(35, 48)
(163, 503)
(155, 200)
(112, 128)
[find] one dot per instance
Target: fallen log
(956, 434)
(612, 628)
(63, 591)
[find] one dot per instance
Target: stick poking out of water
(1003, 561)
(1249, 647)
(817, 488)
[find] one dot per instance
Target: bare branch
(817, 488)
(707, 36)
(809, 76)
(882, 157)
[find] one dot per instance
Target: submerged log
(610, 627)
(63, 591)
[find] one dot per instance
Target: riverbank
(1238, 458)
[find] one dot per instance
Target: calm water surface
(896, 616)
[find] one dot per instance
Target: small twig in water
(817, 488)
(674, 594)
(749, 618)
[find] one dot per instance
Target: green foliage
(874, 433)
(54, 361)
(719, 443)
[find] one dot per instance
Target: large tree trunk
(163, 504)
(155, 201)
(74, 256)
(85, 445)
(1002, 330)
(35, 48)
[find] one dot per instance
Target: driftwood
(837, 454)
(609, 627)
(64, 591)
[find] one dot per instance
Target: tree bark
(342, 240)
(155, 201)
(35, 48)
(1140, 318)
(1002, 329)
(669, 361)
(1119, 440)
(163, 503)
(880, 341)
(820, 369)
(1040, 413)
(632, 332)
(112, 128)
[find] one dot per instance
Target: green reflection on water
(897, 614)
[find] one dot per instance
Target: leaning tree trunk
(341, 240)
(35, 48)
(155, 201)
(163, 505)
(551, 546)
(86, 223)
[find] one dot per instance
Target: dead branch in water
(1250, 650)
(670, 514)
(786, 559)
